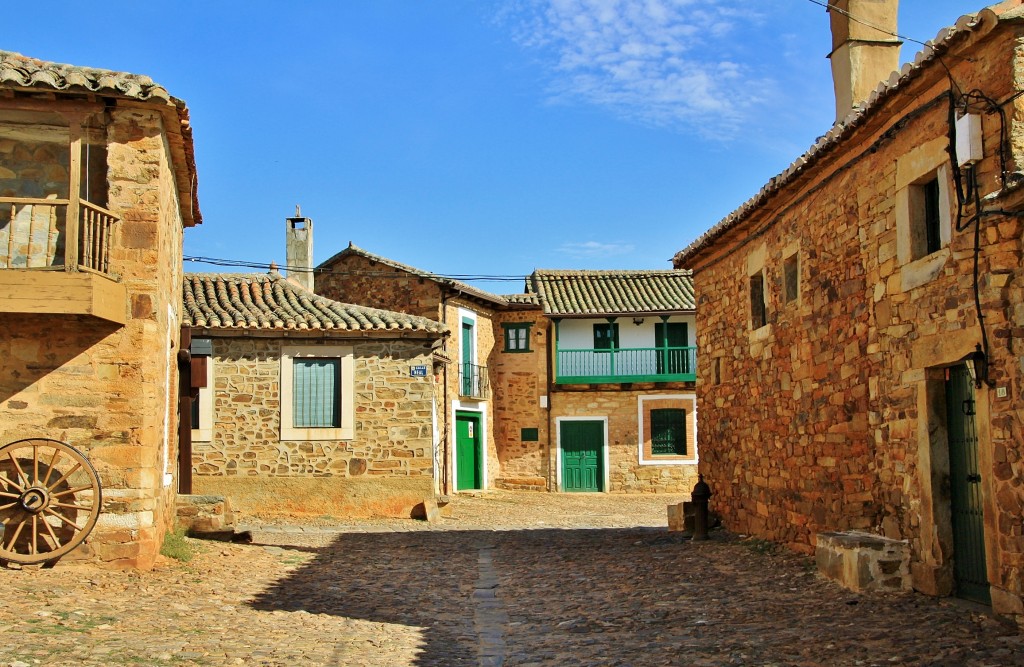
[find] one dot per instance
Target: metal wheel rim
(50, 499)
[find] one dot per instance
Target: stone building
(857, 297)
(310, 406)
(607, 382)
(97, 184)
(554, 389)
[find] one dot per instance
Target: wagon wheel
(50, 499)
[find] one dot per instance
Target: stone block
(864, 561)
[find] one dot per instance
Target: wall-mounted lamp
(977, 366)
(638, 321)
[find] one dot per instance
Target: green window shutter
(316, 393)
(529, 435)
(668, 432)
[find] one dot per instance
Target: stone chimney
(865, 49)
(298, 243)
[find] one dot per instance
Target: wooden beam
(60, 293)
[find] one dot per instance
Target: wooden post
(71, 221)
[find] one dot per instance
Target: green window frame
(517, 336)
(316, 392)
(606, 336)
(668, 432)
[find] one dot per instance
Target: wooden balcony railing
(639, 364)
(34, 234)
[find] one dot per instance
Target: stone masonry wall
(519, 379)
(100, 387)
(620, 407)
(393, 430)
(355, 279)
(824, 419)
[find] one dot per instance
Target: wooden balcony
(618, 365)
(48, 266)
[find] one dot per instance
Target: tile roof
(468, 290)
(612, 292)
(21, 72)
(531, 299)
(269, 302)
(933, 50)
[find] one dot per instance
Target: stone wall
(519, 380)
(385, 469)
(626, 473)
(827, 418)
(357, 279)
(110, 390)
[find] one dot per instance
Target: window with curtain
(316, 393)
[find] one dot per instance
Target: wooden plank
(74, 193)
(33, 200)
(60, 293)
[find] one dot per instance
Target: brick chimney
(298, 243)
(865, 50)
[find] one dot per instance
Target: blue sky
(475, 138)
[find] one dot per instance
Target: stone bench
(864, 561)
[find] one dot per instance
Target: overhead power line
(855, 19)
(236, 263)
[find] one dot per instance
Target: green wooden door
(582, 443)
(672, 334)
(969, 569)
(468, 458)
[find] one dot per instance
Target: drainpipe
(445, 435)
(552, 362)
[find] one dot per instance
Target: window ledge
(924, 270)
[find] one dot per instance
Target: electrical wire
(215, 261)
(833, 8)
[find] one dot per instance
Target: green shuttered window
(668, 432)
(517, 337)
(316, 393)
(606, 336)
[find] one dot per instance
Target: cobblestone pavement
(527, 579)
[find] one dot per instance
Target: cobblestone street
(528, 579)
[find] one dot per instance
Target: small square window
(791, 278)
(517, 337)
(758, 309)
(530, 435)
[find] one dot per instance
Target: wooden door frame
(453, 461)
(604, 450)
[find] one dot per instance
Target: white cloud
(657, 62)
(593, 249)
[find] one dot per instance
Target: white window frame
(922, 164)
(691, 423)
(205, 399)
(345, 354)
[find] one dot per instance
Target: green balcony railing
(636, 364)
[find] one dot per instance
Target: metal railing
(34, 234)
(636, 364)
(473, 381)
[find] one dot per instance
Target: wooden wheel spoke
(13, 484)
(53, 535)
(62, 518)
(22, 477)
(34, 545)
(70, 506)
(4, 494)
(63, 477)
(8, 505)
(65, 492)
(35, 463)
(51, 467)
(14, 538)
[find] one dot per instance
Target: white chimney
(865, 49)
(298, 243)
